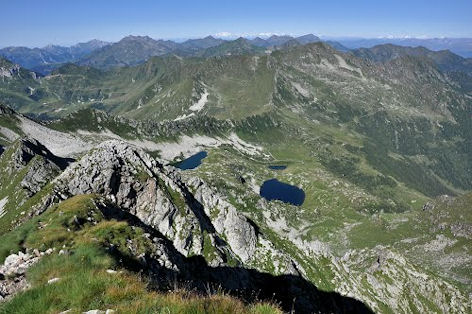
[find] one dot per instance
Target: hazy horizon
(249, 36)
(56, 22)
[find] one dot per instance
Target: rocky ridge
(188, 213)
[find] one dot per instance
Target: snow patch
(184, 116)
(201, 102)
(304, 92)
(343, 64)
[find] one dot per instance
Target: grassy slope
(84, 282)
(163, 88)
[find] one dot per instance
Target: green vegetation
(78, 227)
(93, 121)
(10, 122)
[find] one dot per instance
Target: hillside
(279, 41)
(444, 59)
(130, 50)
(239, 87)
(460, 46)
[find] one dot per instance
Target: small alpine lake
(192, 162)
(273, 189)
(277, 167)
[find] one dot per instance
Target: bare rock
(13, 273)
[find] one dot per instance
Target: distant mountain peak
(136, 38)
(239, 46)
(291, 43)
(93, 41)
(276, 40)
(308, 38)
(279, 36)
(49, 46)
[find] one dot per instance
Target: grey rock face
(38, 175)
(9, 71)
(240, 233)
(43, 165)
(134, 181)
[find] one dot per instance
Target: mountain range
(133, 50)
(460, 46)
(45, 59)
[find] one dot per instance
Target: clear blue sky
(65, 22)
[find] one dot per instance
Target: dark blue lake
(192, 162)
(275, 190)
(277, 167)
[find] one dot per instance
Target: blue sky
(37, 23)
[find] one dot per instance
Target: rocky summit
(267, 173)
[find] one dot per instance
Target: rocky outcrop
(192, 215)
(382, 262)
(9, 71)
(167, 269)
(29, 148)
(241, 234)
(39, 174)
(12, 273)
(43, 166)
(141, 185)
